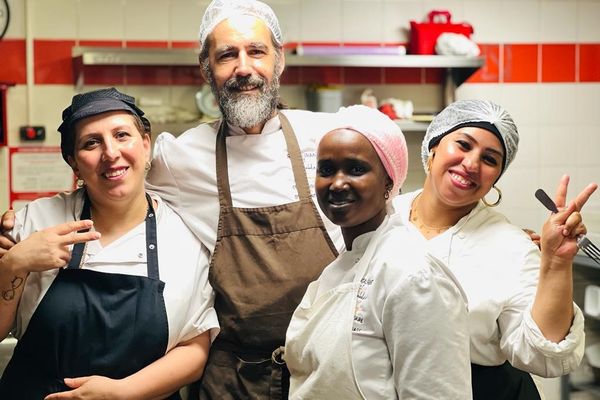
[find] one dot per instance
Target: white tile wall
(588, 27)
(483, 16)
(320, 23)
(397, 15)
(558, 22)
(184, 19)
(289, 16)
(519, 22)
(16, 27)
(147, 19)
(101, 20)
(54, 28)
(361, 21)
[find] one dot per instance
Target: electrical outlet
(32, 133)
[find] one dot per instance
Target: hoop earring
(147, 166)
(80, 183)
(497, 201)
(386, 195)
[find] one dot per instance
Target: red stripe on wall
(589, 62)
(53, 61)
(558, 63)
(12, 54)
(490, 72)
(520, 63)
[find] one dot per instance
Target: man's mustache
(244, 82)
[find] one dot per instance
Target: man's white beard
(247, 110)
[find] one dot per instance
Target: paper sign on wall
(36, 172)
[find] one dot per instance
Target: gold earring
(429, 160)
(147, 166)
(80, 183)
(497, 201)
(386, 195)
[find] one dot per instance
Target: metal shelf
(462, 67)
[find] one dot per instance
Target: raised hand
(560, 231)
(49, 248)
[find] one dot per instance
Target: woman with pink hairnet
(375, 325)
(521, 310)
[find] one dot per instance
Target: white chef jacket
(182, 264)
(498, 266)
(260, 174)
(410, 336)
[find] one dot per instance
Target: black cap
(92, 103)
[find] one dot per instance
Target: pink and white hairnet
(385, 136)
(220, 10)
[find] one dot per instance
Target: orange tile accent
(104, 75)
(589, 63)
(13, 61)
(402, 75)
(321, 75)
(185, 45)
(520, 63)
(291, 76)
(53, 61)
(361, 75)
(490, 71)
(434, 75)
(101, 43)
(148, 44)
(558, 63)
(186, 75)
(147, 75)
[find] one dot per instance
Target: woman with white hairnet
(374, 326)
(521, 310)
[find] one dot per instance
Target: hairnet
(92, 103)
(385, 137)
(478, 113)
(220, 10)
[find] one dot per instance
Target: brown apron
(264, 259)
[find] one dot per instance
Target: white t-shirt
(260, 175)
(409, 336)
(498, 267)
(182, 262)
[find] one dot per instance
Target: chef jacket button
(151, 247)
(461, 235)
(140, 255)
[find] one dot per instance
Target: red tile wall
(508, 63)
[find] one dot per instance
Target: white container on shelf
(324, 98)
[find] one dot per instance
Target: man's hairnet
(385, 136)
(220, 10)
(476, 113)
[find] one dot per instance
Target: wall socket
(32, 133)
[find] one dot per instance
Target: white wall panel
(146, 19)
(587, 21)
(321, 23)
(56, 19)
(361, 21)
(184, 19)
(519, 22)
(558, 22)
(101, 20)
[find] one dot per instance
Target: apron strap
(151, 239)
(293, 149)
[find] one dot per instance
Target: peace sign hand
(49, 248)
(560, 231)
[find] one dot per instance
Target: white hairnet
(478, 113)
(385, 136)
(220, 10)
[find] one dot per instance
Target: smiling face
(351, 183)
(466, 164)
(110, 156)
(243, 68)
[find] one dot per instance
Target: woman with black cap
(131, 315)
(521, 310)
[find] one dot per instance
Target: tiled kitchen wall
(542, 61)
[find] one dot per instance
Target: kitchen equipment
(583, 242)
(207, 103)
(324, 98)
(591, 302)
(423, 35)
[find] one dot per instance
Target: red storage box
(423, 35)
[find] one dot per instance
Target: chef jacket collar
(271, 126)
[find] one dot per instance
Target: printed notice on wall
(37, 172)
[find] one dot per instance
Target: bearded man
(242, 185)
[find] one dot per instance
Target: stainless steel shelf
(412, 126)
(457, 69)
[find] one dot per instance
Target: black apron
(91, 323)
(502, 382)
